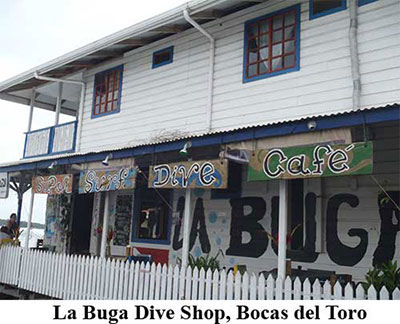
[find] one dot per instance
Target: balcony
(50, 140)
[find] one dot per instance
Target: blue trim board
(364, 2)
(170, 50)
(97, 75)
(268, 75)
(384, 114)
(327, 12)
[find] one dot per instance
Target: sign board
(107, 180)
(311, 161)
(123, 217)
(53, 185)
(4, 185)
(193, 174)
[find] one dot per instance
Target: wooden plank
(215, 285)
(202, 284)
(164, 274)
(208, 286)
(188, 284)
(152, 285)
(158, 282)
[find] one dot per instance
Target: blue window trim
(264, 76)
(170, 50)
(97, 75)
(134, 239)
(364, 2)
(327, 12)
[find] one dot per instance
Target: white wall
(172, 99)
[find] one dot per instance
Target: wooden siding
(172, 99)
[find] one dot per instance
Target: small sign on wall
(53, 185)
(192, 174)
(4, 185)
(311, 161)
(107, 180)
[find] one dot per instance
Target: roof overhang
(339, 120)
(18, 88)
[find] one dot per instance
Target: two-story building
(224, 125)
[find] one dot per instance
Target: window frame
(137, 200)
(327, 12)
(365, 2)
(100, 75)
(169, 50)
(297, 10)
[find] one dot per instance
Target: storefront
(331, 188)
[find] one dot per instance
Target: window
(163, 57)
(152, 214)
(272, 44)
(319, 8)
(364, 2)
(107, 92)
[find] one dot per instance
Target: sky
(34, 32)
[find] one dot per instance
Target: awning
(348, 119)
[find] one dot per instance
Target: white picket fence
(77, 277)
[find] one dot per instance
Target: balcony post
(28, 229)
(282, 227)
(59, 102)
(32, 106)
(105, 225)
(186, 228)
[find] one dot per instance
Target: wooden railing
(51, 140)
(77, 277)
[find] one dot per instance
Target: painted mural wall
(58, 218)
(348, 226)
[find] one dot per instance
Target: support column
(59, 102)
(32, 106)
(282, 232)
(105, 225)
(28, 229)
(186, 228)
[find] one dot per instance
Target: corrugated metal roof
(116, 44)
(200, 135)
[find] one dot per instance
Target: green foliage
(203, 262)
(387, 275)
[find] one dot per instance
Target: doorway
(81, 223)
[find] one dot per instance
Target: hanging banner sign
(53, 185)
(4, 185)
(107, 180)
(311, 161)
(191, 174)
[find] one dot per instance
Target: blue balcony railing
(50, 140)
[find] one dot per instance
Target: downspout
(211, 67)
(355, 62)
(81, 102)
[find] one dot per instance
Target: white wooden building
(227, 75)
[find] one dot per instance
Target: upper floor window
(272, 44)
(364, 2)
(319, 8)
(163, 57)
(107, 92)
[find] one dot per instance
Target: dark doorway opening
(81, 223)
